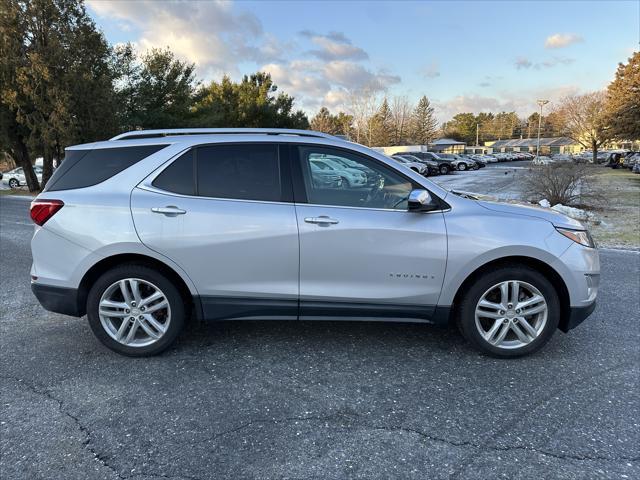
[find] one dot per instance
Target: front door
(362, 253)
(232, 229)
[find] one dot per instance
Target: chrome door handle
(169, 210)
(321, 220)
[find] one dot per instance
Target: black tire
(13, 183)
(466, 309)
(462, 167)
(179, 310)
(444, 169)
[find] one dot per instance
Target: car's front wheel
(509, 312)
(13, 183)
(135, 310)
(462, 167)
(444, 169)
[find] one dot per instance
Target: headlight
(583, 237)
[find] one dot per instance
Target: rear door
(224, 213)
(362, 253)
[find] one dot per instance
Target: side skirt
(245, 308)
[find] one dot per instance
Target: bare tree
(583, 118)
(566, 183)
(363, 105)
(400, 117)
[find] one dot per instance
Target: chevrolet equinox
(150, 228)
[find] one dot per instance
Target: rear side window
(245, 172)
(179, 176)
(84, 168)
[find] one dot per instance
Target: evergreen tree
(424, 126)
(623, 99)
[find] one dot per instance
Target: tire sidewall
(466, 316)
(172, 294)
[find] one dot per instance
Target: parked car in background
(15, 178)
(630, 160)
(418, 167)
(444, 166)
(485, 158)
(458, 162)
(325, 179)
(350, 176)
(228, 224)
(479, 163)
(430, 164)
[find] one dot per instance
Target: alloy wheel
(134, 312)
(511, 314)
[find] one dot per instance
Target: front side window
(244, 172)
(336, 177)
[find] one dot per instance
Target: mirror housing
(420, 200)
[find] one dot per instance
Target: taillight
(43, 210)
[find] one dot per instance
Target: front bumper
(577, 315)
(58, 299)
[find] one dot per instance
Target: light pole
(542, 103)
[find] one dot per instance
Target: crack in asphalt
(81, 427)
(351, 422)
(523, 416)
(394, 428)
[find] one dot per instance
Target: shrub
(566, 183)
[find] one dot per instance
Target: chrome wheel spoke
(492, 331)
(144, 324)
(534, 310)
(132, 332)
(504, 293)
(135, 289)
(124, 326)
(519, 333)
(157, 306)
(124, 289)
(515, 292)
(151, 298)
(527, 327)
(530, 302)
(501, 335)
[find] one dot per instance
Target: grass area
(18, 191)
(619, 213)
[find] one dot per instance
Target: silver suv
(151, 228)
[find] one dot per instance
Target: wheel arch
(105, 264)
(544, 268)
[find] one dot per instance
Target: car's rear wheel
(135, 310)
(510, 312)
(444, 169)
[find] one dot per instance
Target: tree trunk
(594, 147)
(47, 164)
(21, 156)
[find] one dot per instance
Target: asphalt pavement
(325, 400)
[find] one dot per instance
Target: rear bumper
(577, 315)
(58, 299)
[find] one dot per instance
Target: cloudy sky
(465, 56)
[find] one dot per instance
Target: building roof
(446, 141)
(532, 142)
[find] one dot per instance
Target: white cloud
(561, 40)
(334, 46)
(522, 63)
(210, 34)
(521, 102)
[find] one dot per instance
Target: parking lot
(317, 400)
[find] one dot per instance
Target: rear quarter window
(84, 168)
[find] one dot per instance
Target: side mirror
(421, 201)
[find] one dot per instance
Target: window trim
(286, 182)
(300, 190)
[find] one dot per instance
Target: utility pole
(542, 103)
(477, 130)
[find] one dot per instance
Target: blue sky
(465, 56)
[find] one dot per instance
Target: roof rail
(220, 131)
